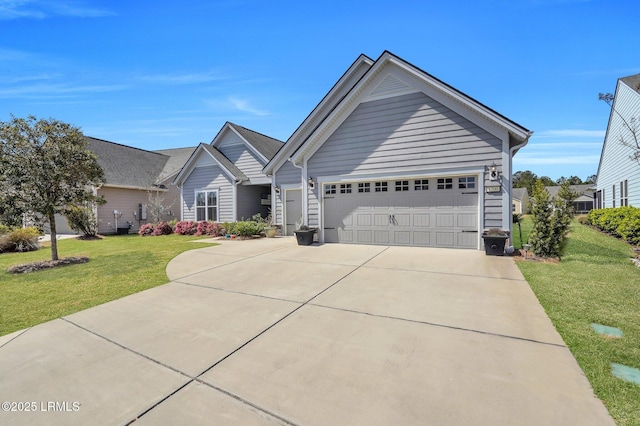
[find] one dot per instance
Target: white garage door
(436, 212)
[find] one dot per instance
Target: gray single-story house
(223, 181)
(392, 155)
(584, 201)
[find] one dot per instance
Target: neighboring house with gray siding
(392, 155)
(583, 203)
(618, 181)
(223, 181)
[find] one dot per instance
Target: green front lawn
(594, 283)
(118, 266)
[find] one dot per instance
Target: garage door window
(402, 185)
(421, 184)
(329, 189)
(364, 187)
(345, 188)
(381, 187)
(467, 182)
(445, 183)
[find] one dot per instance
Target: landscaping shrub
(20, 240)
(185, 228)
(146, 230)
(201, 228)
(4, 229)
(162, 228)
(229, 227)
(622, 222)
(248, 228)
(551, 220)
(83, 219)
(214, 229)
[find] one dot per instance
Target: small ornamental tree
(45, 167)
(551, 220)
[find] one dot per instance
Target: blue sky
(164, 74)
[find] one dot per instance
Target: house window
(207, 205)
(364, 187)
(613, 195)
(445, 183)
(345, 188)
(402, 185)
(468, 182)
(381, 187)
(421, 184)
(624, 196)
(329, 189)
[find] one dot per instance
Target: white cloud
(40, 9)
(194, 78)
(572, 133)
(245, 106)
(48, 90)
(523, 159)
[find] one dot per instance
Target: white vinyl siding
(615, 164)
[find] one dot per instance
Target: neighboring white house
(618, 181)
(392, 155)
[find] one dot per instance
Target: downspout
(236, 182)
(512, 151)
(303, 188)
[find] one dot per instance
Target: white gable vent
(390, 86)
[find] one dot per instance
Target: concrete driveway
(267, 332)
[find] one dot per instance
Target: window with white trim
(421, 184)
(381, 187)
(364, 187)
(624, 195)
(445, 183)
(345, 188)
(402, 185)
(613, 195)
(467, 182)
(207, 205)
(330, 189)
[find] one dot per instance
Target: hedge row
(19, 239)
(244, 228)
(623, 222)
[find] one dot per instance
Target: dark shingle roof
(177, 158)
(585, 189)
(266, 145)
(632, 81)
(224, 161)
(126, 165)
(519, 193)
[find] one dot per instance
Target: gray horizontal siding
(288, 174)
(406, 132)
(244, 159)
(210, 177)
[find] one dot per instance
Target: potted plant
(494, 241)
(304, 235)
(270, 230)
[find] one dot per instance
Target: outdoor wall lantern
(311, 182)
(277, 189)
(494, 174)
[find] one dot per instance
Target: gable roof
(177, 158)
(582, 190)
(300, 144)
(328, 103)
(127, 166)
(265, 145)
(633, 81)
(218, 157)
(519, 193)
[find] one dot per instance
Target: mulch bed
(46, 264)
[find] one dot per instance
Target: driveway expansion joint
(435, 324)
